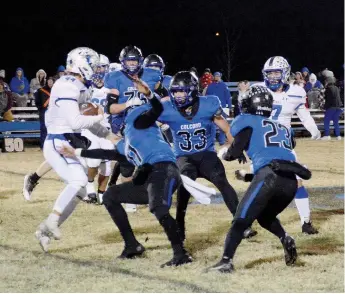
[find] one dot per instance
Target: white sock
(53, 218)
(65, 198)
(303, 209)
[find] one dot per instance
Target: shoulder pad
(110, 80)
(296, 91)
(213, 103)
(241, 122)
(64, 89)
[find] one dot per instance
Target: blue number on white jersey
(276, 110)
(98, 101)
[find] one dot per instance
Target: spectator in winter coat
(38, 82)
(315, 93)
(305, 74)
(206, 79)
(5, 103)
(220, 89)
(299, 79)
(333, 109)
(20, 88)
(2, 79)
(42, 96)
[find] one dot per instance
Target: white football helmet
(115, 67)
(276, 63)
(103, 60)
(83, 61)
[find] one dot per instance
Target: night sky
(39, 34)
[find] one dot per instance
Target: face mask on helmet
(273, 79)
(276, 72)
(154, 61)
(98, 80)
(182, 97)
(183, 89)
(131, 60)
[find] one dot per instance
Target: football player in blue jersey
(154, 61)
(154, 182)
(192, 119)
(124, 94)
(270, 145)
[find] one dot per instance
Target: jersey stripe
(299, 105)
(295, 96)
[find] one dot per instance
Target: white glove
(317, 136)
(240, 174)
(222, 152)
(164, 127)
(226, 111)
(134, 102)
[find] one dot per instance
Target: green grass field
(84, 259)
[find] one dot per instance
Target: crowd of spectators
(323, 90)
(20, 93)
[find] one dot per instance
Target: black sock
(233, 239)
(100, 191)
(170, 228)
(183, 197)
(115, 174)
(34, 178)
(119, 216)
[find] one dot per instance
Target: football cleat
(51, 227)
(223, 266)
(308, 228)
(290, 250)
(178, 260)
(43, 238)
(28, 187)
(248, 233)
(132, 251)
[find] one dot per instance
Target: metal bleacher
(25, 125)
(26, 121)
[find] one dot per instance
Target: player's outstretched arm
(240, 144)
(109, 154)
(222, 123)
(308, 121)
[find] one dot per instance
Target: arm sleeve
(99, 130)
(240, 144)
(149, 117)
(307, 120)
(102, 154)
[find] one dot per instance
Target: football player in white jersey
(287, 101)
(65, 123)
(98, 166)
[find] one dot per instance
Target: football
(88, 108)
